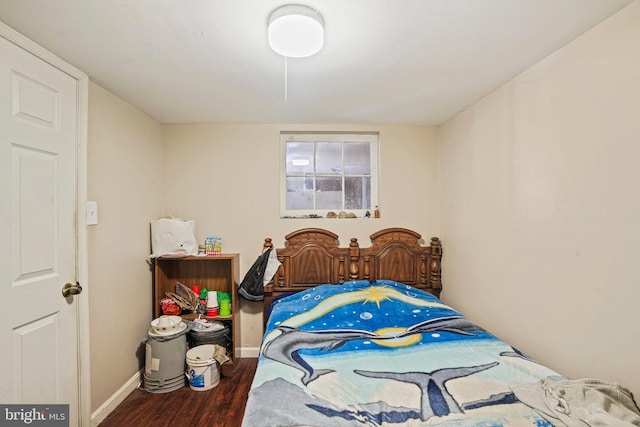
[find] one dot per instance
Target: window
(329, 172)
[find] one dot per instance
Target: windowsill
(323, 217)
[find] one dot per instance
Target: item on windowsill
(332, 215)
(376, 212)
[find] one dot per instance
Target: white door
(38, 155)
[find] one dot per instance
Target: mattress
(385, 353)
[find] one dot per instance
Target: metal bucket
(221, 337)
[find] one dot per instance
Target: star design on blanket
(375, 294)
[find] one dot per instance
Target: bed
(313, 257)
(357, 336)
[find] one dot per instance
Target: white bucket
(203, 370)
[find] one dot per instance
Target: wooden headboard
(312, 257)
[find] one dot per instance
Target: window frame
(373, 138)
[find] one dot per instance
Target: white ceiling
(384, 61)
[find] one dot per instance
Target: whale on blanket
(435, 400)
(286, 347)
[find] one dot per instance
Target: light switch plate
(92, 213)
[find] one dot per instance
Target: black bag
(252, 286)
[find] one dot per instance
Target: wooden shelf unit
(213, 272)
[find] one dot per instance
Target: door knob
(71, 289)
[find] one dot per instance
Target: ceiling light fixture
(296, 31)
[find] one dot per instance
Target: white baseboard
(248, 352)
(118, 397)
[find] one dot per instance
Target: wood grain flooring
(222, 406)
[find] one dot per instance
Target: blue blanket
(383, 353)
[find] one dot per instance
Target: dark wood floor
(222, 406)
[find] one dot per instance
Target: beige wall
(226, 177)
(540, 206)
(125, 178)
